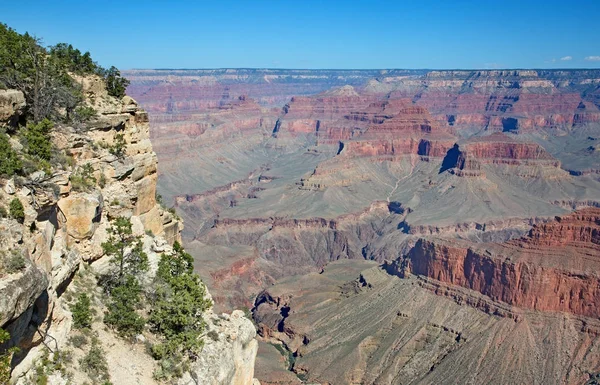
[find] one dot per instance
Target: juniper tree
(116, 85)
(129, 261)
(176, 313)
(125, 249)
(10, 162)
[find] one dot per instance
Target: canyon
(391, 226)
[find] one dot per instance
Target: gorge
(391, 226)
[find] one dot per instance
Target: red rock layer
(398, 127)
(554, 268)
(533, 99)
(395, 147)
(498, 148)
(325, 115)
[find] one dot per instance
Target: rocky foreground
(392, 227)
(59, 241)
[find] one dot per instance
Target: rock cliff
(553, 268)
(65, 223)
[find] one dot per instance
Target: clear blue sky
(319, 34)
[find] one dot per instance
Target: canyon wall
(64, 226)
(553, 268)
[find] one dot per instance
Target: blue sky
(319, 34)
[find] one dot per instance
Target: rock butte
(392, 226)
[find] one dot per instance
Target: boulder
(19, 291)
(129, 105)
(80, 213)
(12, 104)
(9, 187)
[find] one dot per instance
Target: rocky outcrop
(467, 158)
(553, 268)
(12, 106)
(19, 291)
(281, 247)
(518, 101)
(325, 320)
(80, 214)
(228, 354)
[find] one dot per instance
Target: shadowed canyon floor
(392, 227)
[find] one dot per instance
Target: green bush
(94, 362)
(37, 139)
(16, 210)
(78, 341)
(10, 162)
(46, 365)
(102, 181)
(83, 178)
(3, 212)
(171, 367)
(14, 262)
(118, 146)
(5, 358)
(84, 114)
(82, 312)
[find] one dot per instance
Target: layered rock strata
(553, 268)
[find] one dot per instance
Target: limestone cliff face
(65, 225)
(229, 353)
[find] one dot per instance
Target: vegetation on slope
(5, 358)
(176, 312)
(44, 74)
(176, 299)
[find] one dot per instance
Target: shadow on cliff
(454, 158)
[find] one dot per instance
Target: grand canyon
(300, 193)
(391, 226)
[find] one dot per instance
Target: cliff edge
(108, 170)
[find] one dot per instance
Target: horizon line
(363, 69)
